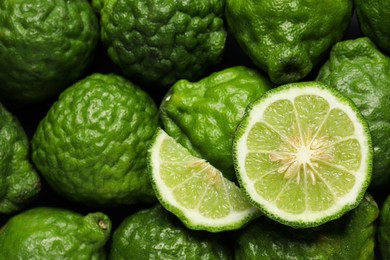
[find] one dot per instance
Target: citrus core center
(303, 159)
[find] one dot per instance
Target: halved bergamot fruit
(303, 154)
(195, 191)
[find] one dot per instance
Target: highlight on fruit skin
(303, 154)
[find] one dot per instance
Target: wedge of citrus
(303, 154)
(195, 191)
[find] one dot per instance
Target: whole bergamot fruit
(358, 70)
(158, 42)
(19, 182)
(54, 233)
(203, 115)
(155, 233)
(91, 146)
(350, 237)
(384, 229)
(374, 20)
(44, 47)
(287, 38)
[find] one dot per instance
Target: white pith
(303, 155)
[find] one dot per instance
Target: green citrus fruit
(374, 19)
(159, 42)
(286, 38)
(350, 237)
(384, 229)
(154, 233)
(303, 154)
(53, 233)
(203, 115)
(195, 191)
(45, 46)
(358, 70)
(91, 146)
(19, 182)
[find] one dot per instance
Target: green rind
(179, 213)
(157, 43)
(91, 146)
(241, 131)
(53, 44)
(155, 233)
(55, 233)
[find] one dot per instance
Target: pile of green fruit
(199, 129)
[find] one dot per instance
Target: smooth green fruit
(374, 20)
(45, 46)
(91, 146)
(53, 233)
(195, 191)
(303, 154)
(350, 237)
(287, 38)
(157, 43)
(384, 229)
(154, 233)
(203, 116)
(19, 182)
(358, 70)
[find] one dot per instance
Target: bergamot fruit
(203, 116)
(19, 182)
(374, 18)
(91, 146)
(155, 233)
(303, 154)
(156, 43)
(44, 47)
(54, 233)
(287, 38)
(350, 237)
(195, 191)
(384, 229)
(358, 70)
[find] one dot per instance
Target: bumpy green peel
(287, 38)
(384, 229)
(91, 146)
(155, 233)
(374, 19)
(349, 237)
(45, 46)
(157, 43)
(52, 233)
(203, 115)
(19, 182)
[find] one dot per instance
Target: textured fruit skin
(384, 229)
(358, 70)
(154, 233)
(159, 42)
(91, 146)
(202, 116)
(53, 233)
(349, 237)
(287, 38)
(374, 19)
(45, 46)
(19, 182)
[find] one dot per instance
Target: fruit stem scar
(102, 224)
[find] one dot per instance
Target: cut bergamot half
(195, 191)
(303, 154)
